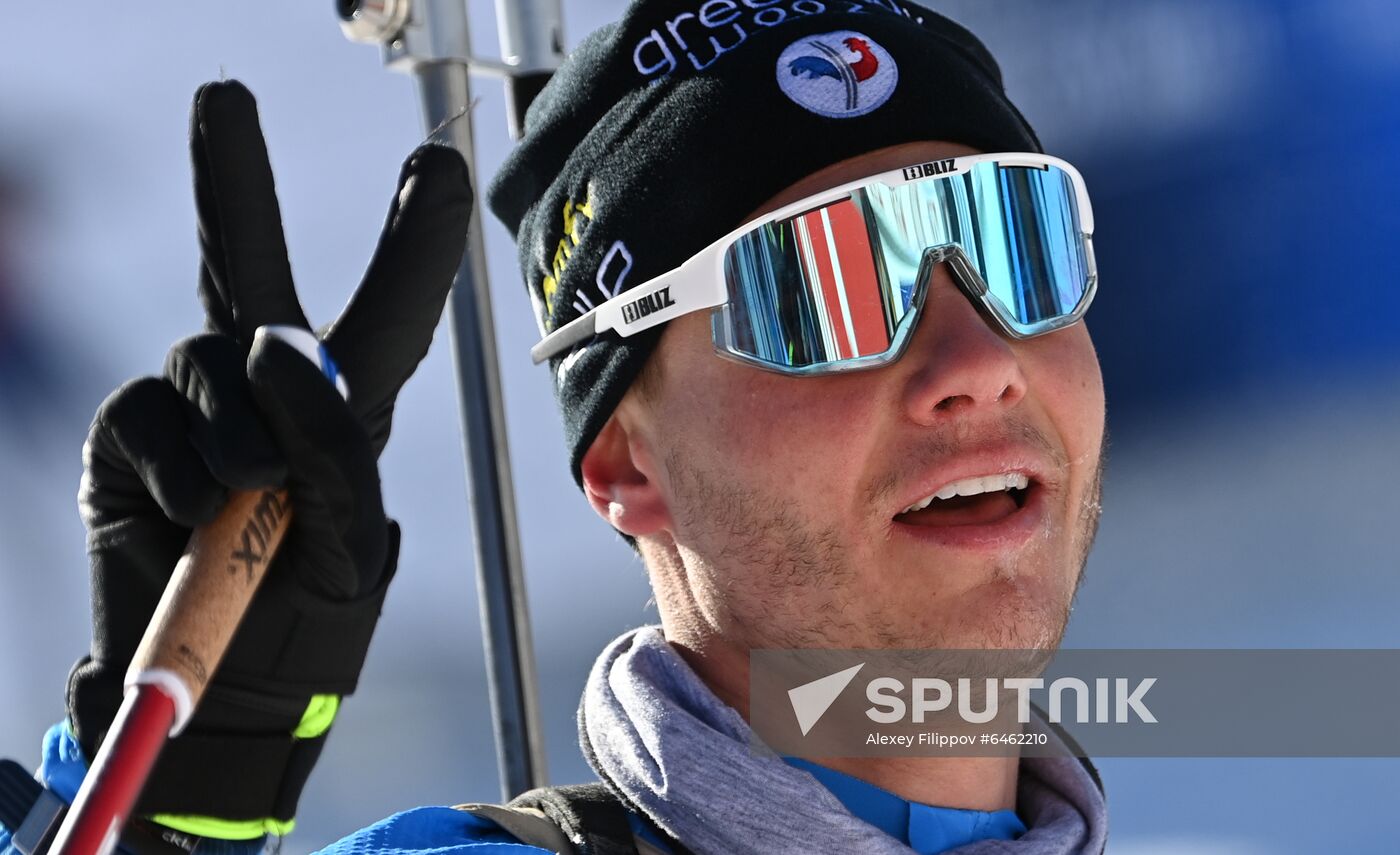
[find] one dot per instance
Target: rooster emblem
(839, 75)
(836, 65)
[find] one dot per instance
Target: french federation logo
(838, 75)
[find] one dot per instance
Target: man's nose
(957, 361)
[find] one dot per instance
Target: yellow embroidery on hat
(576, 217)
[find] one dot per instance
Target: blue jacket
(448, 831)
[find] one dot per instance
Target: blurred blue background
(1244, 161)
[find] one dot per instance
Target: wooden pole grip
(208, 594)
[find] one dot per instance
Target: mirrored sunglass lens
(1017, 225)
(806, 291)
(1036, 267)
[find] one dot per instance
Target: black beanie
(662, 132)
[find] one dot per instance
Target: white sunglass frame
(699, 282)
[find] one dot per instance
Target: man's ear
(619, 479)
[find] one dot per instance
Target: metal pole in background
(430, 39)
(532, 45)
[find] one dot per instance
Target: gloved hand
(232, 413)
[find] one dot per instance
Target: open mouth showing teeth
(971, 501)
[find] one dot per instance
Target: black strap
(18, 793)
(30, 812)
(32, 815)
(593, 817)
(589, 814)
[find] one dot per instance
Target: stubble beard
(756, 570)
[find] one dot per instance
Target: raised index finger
(246, 279)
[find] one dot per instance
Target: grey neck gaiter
(656, 734)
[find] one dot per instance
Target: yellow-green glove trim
(225, 829)
(320, 714)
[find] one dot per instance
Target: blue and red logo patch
(838, 75)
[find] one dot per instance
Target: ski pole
(203, 603)
(430, 39)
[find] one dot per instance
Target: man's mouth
(984, 500)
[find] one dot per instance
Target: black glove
(232, 413)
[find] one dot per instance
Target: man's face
(781, 498)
